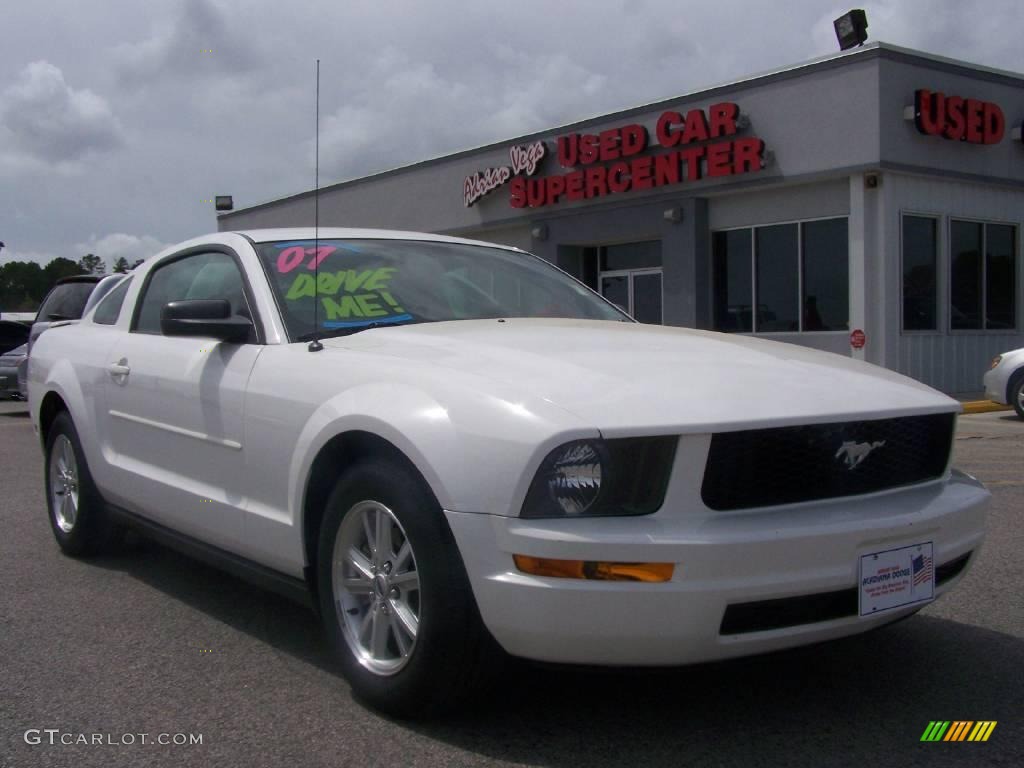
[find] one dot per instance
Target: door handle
(119, 370)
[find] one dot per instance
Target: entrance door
(629, 275)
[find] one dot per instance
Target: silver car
(1004, 382)
(12, 364)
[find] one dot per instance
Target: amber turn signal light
(593, 570)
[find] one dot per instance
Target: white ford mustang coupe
(454, 451)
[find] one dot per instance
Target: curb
(984, 406)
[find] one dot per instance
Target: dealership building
(868, 203)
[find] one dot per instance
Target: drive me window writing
(782, 277)
(359, 283)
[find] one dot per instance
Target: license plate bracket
(896, 578)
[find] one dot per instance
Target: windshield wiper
(331, 333)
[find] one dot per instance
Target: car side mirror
(203, 317)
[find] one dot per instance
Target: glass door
(629, 275)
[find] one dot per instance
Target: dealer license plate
(896, 578)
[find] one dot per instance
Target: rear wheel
(78, 517)
(394, 596)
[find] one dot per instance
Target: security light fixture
(851, 29)
(540, 232)
(673, 214)
(224, 203)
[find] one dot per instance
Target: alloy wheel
(376, 587)
(64, 484)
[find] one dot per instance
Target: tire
(450, 656)
(1016, 393)
(78, 515)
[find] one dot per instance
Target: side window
(199, 276)
(109, 308)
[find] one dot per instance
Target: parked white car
(1004, 381)
(453, 449)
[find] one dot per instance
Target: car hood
(621, 377)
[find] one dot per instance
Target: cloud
(113, 246)
(428, 112)
(199, 43)
(44, 121)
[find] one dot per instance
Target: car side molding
(296, 590)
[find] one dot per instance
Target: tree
(121, 265)
(22, 285)
(92, 265)
(58, 268)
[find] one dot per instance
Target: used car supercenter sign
(619, 160)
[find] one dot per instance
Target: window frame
(800, 275)
(948, 328)
(126, 284)
(258, 338)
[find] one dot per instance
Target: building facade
(869, 203)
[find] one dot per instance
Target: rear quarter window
(109, 308)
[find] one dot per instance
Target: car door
(175, 404)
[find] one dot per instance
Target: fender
(441, 436)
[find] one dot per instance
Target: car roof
(348, 233)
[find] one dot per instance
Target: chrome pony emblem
(853, 453)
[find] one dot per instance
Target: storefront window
(966, 275)
(1000, 276)
(732, 284)
(631, 256)
(920, 259)
(982, 276)
(826, 283)
(777, 268)
(796, 275)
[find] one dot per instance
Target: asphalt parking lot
(151, 642)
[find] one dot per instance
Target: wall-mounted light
(872, 180)
(674, 214)
(851, 29)
(1017, 134)
(224, 203)
(540, 232)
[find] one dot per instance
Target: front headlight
(996, 360)
(584, 478)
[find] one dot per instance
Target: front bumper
(721, 559)
(995, 386)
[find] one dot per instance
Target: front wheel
(1017, 394)
(394, 596)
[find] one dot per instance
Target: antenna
(315, 345)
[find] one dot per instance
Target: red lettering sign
(958, 119)
(614, 161)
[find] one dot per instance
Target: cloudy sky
(119, 120)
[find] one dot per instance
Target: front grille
(785, 465)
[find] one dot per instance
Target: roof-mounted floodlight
(851, 29)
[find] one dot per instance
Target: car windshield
(373, 283)
(65, 302)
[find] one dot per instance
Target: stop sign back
(858, 339)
